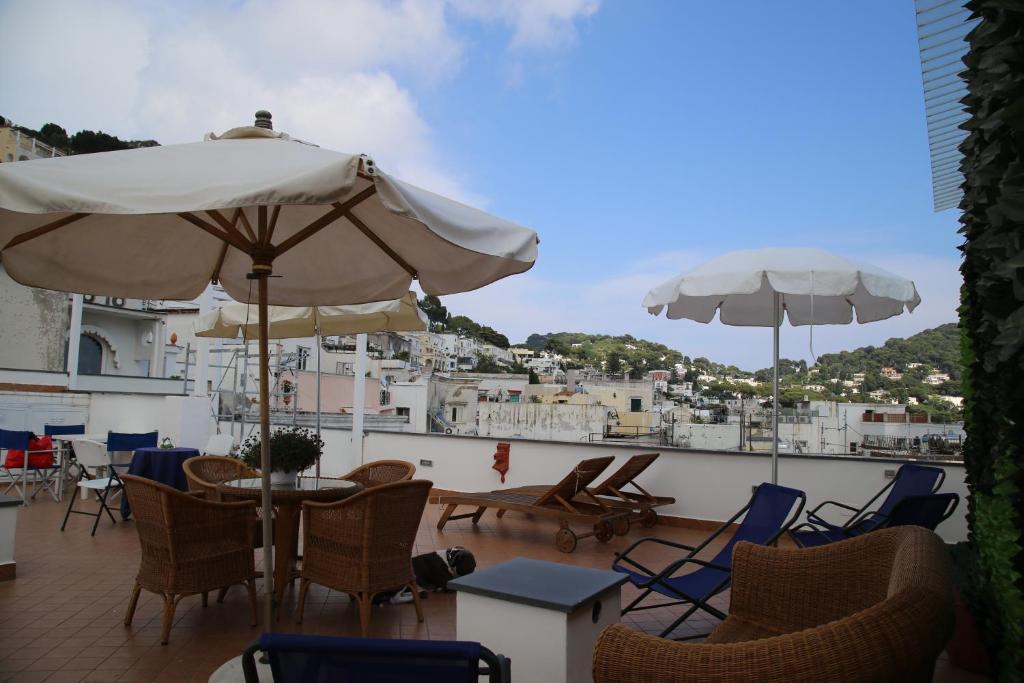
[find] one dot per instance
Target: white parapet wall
(707, 485)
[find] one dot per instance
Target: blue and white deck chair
(67, 455)
(769, 513)
(299, 658)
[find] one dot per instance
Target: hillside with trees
(618, 353)
(84, 141)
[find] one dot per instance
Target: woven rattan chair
(189, 546)
(363, 545)
(877, 607)
(204, 472)
(381, 472)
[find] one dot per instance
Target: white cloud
(521, 305)
(339, 73)
(541, 24)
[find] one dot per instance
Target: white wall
(549, 421)
(30, 411)
(706, 485)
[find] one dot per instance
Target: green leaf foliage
(992, 323)
(292, 449)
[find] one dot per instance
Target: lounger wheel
(649, 519)
(603, 531)
(565, 540)
(621, 526)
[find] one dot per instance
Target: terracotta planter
(966, 649)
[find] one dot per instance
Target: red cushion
(44, 458)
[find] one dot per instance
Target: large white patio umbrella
(165, 222)
(761, 287)
(235, 320)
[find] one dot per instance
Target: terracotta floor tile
(62, 616)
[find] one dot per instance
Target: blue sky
(638, 138)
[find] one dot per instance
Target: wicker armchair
(363, 545)
(204, 472)
(381, 472)
(189, 546)
(877, 607)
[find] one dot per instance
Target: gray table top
(549, 585)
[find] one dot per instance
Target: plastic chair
(299, 658)
(219, 444)
(924, 511)
(65, 454)
(21, 468)
(94, 454)
(766, 517)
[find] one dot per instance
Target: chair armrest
(898, 639)
(815, 518)
(809, 586)
(624, 555)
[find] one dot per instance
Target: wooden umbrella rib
(220, 263)
(43, 229)
(261, 230)
(240, 217)
(274, 213)
(225, 224)
(365, 229)
(339, 210)
(237, 243)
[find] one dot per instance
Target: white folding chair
(220, 444)
(93, 454)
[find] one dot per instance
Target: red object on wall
(501, 459)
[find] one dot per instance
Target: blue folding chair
(910, 480)
(44, 477)
(769, 513)
(925, 511)
(67, 454)
(123, 442)
(299, 658)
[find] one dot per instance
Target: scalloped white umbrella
(762, 287)
(164, 222)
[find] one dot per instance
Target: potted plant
(287, 388)
(292, 449)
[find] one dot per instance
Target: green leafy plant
(292, 449)
(992, 322)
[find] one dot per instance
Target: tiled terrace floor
(60, 620)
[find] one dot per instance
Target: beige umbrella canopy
(164, 222)
(234, 320)
(288, 322)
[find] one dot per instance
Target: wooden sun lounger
(641, 504)
(561, 502)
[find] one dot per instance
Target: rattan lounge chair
(381, 472)
(561, 502)
(873, 608)
(770, 511)
(189, 546)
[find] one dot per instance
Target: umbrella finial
(263, 120)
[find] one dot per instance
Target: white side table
(543, 616)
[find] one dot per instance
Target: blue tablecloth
(159, 464)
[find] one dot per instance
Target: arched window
(90, 355)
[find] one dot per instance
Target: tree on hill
(437, 314)
(614, 363)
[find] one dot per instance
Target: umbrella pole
(775, 391)
(318, 397)
(261, 274)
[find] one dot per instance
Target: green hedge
(992, 321)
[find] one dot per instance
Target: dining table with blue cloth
(159, 464)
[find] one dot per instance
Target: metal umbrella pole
(261, 272)
(775, 391)
(318, 349)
